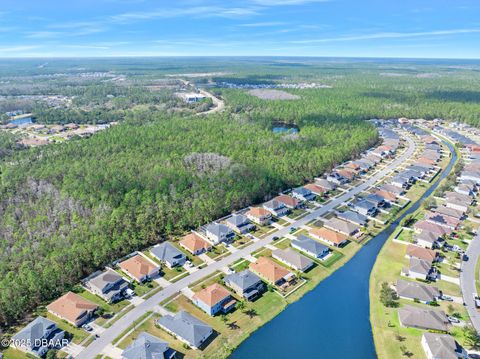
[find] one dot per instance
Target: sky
(340, 28)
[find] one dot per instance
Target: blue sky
(354, 28)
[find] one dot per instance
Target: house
(73, 308)
(140, 268)
(465, 190)
(416, 317)
(425, 254)
(218, 232)
(169, 255)
(343, 227)
(332, 238)
(458, 197)
(276, 208)
(303, 194)
(186, 328)
(108, 285)
(147, 346)
(195, 244)
(310, 246)
(377, 200)
(246, 284)
(347, 173)
(419, 269)
(288, 201)
(448, 212)
(457, 204)
(442, 346)
(398, 191)
(401, 182)
(470, 175)
(362, 165)
(325, 184)
(336, 178)
(293, 259)
(424, 225)
(416, 291)
(443, 220)
(190, 97)
(240, 223)
(315, 189)
(364, 207)
(214, 299)
(387, 196)
(353, 217)
(271, 271)
(353, 166)
(259, 215)
(38, 337)
(427, 239)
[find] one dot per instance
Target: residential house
(147, 346)
(293, 259)
(470, 175)
(195, 244)
(398, 191)
(442, 346)
(416, 291)
(424, 225)
(310, 246)
(400, 181)
(347, 173)
(276, 208)
(303, 194)
(271, 271)
(218, 232)
(419, 269)
(427, 239)
(443, 220)
(425, 254)
(169, 255)
(186, 328)
(457, 204)
(364, 207)
(108, 285)
(332, 238)
(245, 283)
(353, 217)
(73, 308)
(214, 299)
(38, 337)
(337, 178)
(423, 318)
(377, 200)
(325, 184)
(259, 215)
(139, 268)
(343, 227)
(288, 201)
(315, 189)
(240, 223)
(449, 212)
(387, 196)
(465, 189)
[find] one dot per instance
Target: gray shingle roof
(292, 258)
(244, 279)
(302, 191)
(274, 204)
(353, 217)
(444, 346)
(167, 252)
(108, 277)
(419, 266)
(35, 330)
(238, 220)
(146, 346)
(423, 318)
(309, 245)
(218, 229)
(415, 290)
(187, 327)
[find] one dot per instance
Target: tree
(388, 296)
(472, 338)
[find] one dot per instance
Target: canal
(331, 321)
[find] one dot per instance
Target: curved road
(467, 281)
(117, 328)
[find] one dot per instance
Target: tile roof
(71, 306)
(138, 266)
(268, 269)
(194, 242)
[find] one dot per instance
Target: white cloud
(17, 49)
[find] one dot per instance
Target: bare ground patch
(268, 94)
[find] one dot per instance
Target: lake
(22, 121)
(331, 321)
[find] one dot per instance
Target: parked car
(189, 264)
(453, 320)
(293, 229)
(446, 298)
(275, 238)
(129, 293)
(477, 300)
(465, 258)
(87, 327)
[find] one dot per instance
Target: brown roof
(352, 166)
(329, 235)
(258, 212)
(137, 266)
(421, 253)
(426, 160)
(212, 294)
(71, 306)
(387, 195)
(287, 200)
(268, 269)
(347, 173)
(193, 242)
(315, 188)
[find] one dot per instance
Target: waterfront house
(398, 191)
(139, 268)
(73, 308)
(303, 194)
(416, 291)
(427, 239)
(245, 283)
(343, 227)
(169, 255)
(218, 233)
(186, 328)
(353, 217)
(195, 244)
(443, 220)
(465, 189)
(400, 181)
(147, 346)
(423, 318)
(271, 271)
(214, 299)
(328, 236)
(377, 200)
(276, 208)
(387, 196)
(293, 259)
(424, 225)
(310, 246)
(364, 207)
(419, 269)
(425, 254)
(259, 215)
(442, 346)
(38, 337)
(240, 223)
(449, 212)
(108, 285)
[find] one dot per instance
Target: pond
(22, 121)
(331, 321)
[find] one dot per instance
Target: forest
(68, 209)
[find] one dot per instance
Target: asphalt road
(467, 281)
(98, 345)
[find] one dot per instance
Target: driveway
(124, 322)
